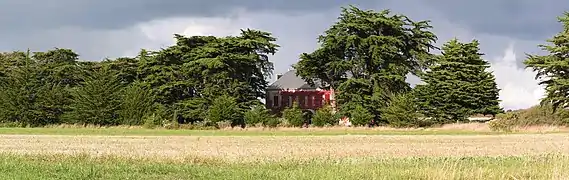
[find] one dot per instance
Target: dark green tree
(137, 102)
(225, 108)
(125, 68)
(58, 66)
(97, 100)
(21, 91)
(458, 85)
(552, 69)
(366, 56)
(360, 116)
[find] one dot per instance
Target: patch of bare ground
(250, 148)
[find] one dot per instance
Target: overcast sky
(103, 28)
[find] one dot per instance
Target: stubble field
(340, 156)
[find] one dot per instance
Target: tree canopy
(184, 78)
(457, 85)
(553, 69)
(366, 55)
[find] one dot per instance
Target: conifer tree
(97, 100)
(553, 69)
(458, 85)
(19, 93)
(366, 56)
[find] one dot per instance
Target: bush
(537, 115)
(257, 115)
(272, 122)
(294, 115)
(151, 121)
(501, 125)
(324, 117)
(402, 112)
(224, 108)
(137, 102)
(360, 116)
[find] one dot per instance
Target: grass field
(24, 154)
(451, 129)
(482, 168)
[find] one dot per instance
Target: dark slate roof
(290, 80)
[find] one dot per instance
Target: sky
(506, 29)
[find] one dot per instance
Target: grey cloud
(522, 19)
(527, 19)
(111, 14)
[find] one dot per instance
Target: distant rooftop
(290, 80)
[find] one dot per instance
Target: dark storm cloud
(113, 14)
(527, 19)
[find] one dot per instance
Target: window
(306, 101)
(276, 102)
(290, 101)
(313, 100)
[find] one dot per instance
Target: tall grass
(86, 167)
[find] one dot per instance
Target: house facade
(289, 89)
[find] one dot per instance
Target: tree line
(365, 56)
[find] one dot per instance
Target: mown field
(324, 154)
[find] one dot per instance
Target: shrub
(272, 122)
(537, 115)
(151, 121)
(137, 102)
(324, 117)
(224, 108)
(500, 125)
(402, 112)
(360, 116)
(257, 115)
(294, 115)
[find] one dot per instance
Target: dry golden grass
(472, 127)
(250, 148)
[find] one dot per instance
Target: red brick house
(289, 88)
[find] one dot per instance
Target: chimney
(279, 76)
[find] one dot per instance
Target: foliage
(324, 117)
(137, 101)
(259, 115)
(360, 116)
(204, 81)
(151, 121)
(457, 84)
(294, 115)
(224, 108)
(552, 68)
(402, 111)
(273, 122)
(20, 92)
(96, 100)
(537, 115)
(53, 102)
(198, 69)
(366, 56)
